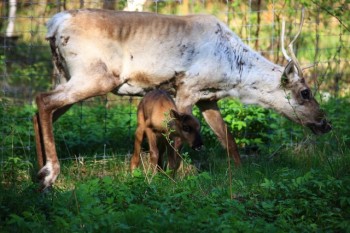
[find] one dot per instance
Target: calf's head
(188, 128)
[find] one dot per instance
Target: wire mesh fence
(105, 125)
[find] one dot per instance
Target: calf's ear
(181, 117)
(175, 114)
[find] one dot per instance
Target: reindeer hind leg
(40, 150)
(51, 106)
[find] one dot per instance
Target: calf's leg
(161, 144)
(135, 159)
(154, 153)
(174, 155)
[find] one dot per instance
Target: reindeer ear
(288, 74)
(290, 68)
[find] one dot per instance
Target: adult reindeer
(197, 58)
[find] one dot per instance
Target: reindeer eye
(305, 94)
(186, 128)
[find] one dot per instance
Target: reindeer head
(301, 105)
(188, 128)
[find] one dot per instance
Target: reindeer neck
(256, 78)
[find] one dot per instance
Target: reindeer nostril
(326, 125)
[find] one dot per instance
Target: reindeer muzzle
(322, 127)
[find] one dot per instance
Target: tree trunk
(10, 30)
(109, 4)
(258, 25)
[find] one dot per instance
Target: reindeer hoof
(47, 176)
(42, 173)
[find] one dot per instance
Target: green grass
(291, 182)
(293, 191)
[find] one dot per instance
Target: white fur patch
(51, 176)
(55, 22)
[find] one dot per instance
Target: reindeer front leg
(212, 116)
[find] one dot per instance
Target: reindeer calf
(152, 120)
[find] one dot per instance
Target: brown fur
(123, 28)
(157, 115)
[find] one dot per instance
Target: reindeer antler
(282, 41)
(292, 56)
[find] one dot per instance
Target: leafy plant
(253, 127)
